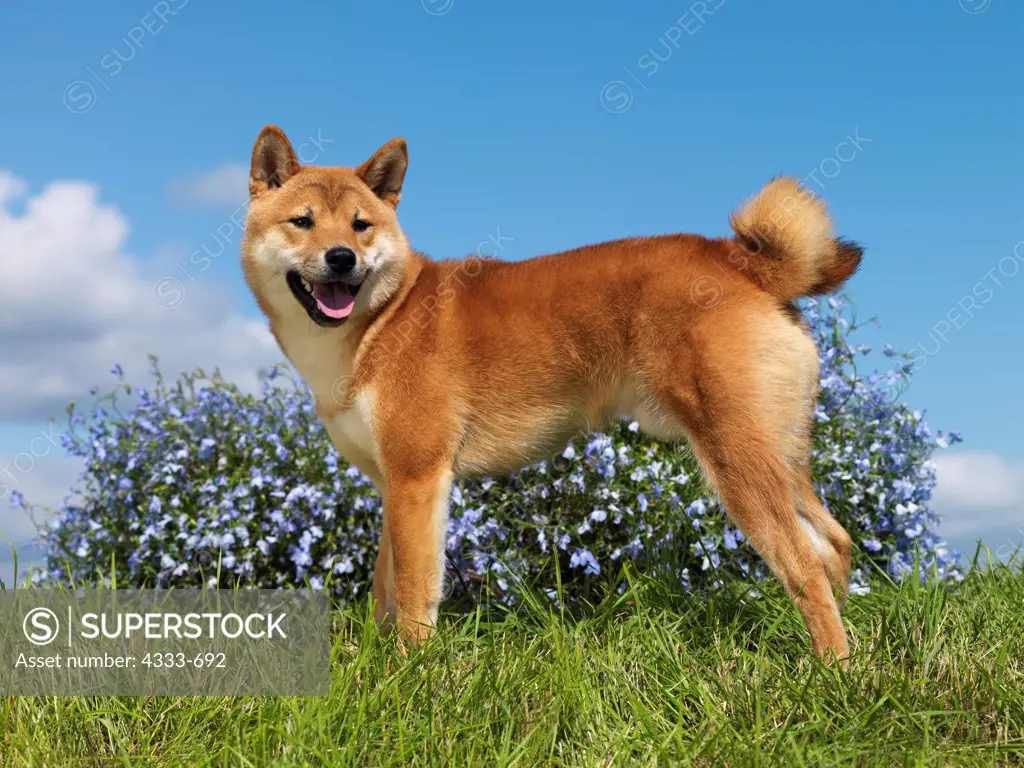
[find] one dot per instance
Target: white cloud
(44, 482)
(11, 187)
(73, 303)
(226, 184)
(980, 496)
(980, 480)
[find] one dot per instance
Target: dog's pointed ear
(385, 171)
(273, 161)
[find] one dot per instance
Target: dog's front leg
(384, 611)
(416, 515)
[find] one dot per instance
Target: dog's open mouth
(328, 304)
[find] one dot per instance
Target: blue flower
(697, 508)
(583, 558)
(198, 469)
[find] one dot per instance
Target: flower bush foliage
(199, 482)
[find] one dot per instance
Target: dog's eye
(359, 225)
(302, 222)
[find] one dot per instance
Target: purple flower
(198, 469)
(583, 558)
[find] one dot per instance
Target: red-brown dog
(424, 371)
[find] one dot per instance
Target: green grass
(649, 678)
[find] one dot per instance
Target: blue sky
(552, 125)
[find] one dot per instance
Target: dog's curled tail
(788, 246)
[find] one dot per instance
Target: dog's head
(323, 241)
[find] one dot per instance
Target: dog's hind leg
(744, 466)
(829, 539)
(744, 409)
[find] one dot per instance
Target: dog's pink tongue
(333, 299)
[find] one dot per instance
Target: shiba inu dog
(424, 370)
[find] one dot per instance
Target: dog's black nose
(341, 260)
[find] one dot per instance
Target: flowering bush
(200, 482)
